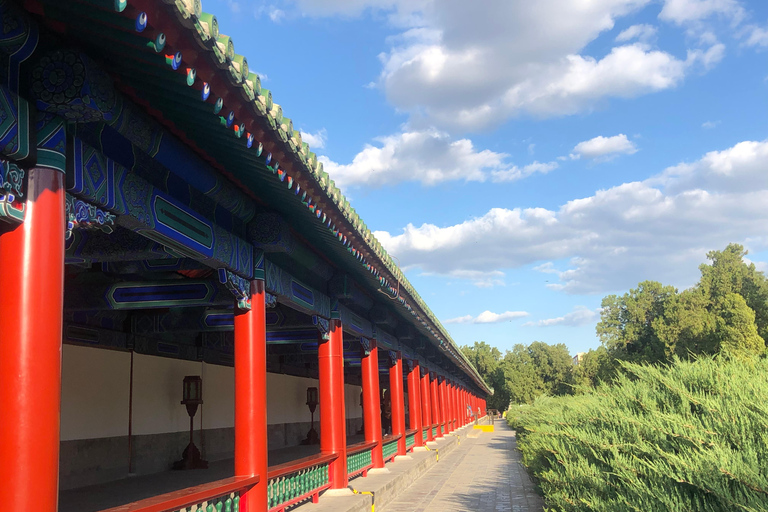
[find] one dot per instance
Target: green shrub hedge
(689, 437)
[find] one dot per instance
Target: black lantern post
(192, 395)
(312, 401)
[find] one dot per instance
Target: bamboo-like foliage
(692, 436)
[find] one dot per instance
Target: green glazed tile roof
(301, 171)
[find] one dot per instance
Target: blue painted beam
(154, 214)
(86, 247)
(146, 295)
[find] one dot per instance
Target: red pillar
(426, 407)
(414, 401)
(32, 259)
(251, 398)
(443, 405)
(371, 403)
(333, 429)
(454, 409)
(464, 406)
(456, 405)
(448, 408)
(398, 402)
(434, 397)
(452, 399)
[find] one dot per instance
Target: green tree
(537, 369)
(486, 360)
(484, 357)
(736, 328)
(523, 381)
(554, 366)
(688, 325)
(729, 273)
(596, 366)
(626, 326)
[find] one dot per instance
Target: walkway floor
(481, 474)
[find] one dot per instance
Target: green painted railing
(389, 447)
(294, 482)
(229, 503)
(434, 431)
(360, 458)
(219, 496)
(424, 435)
(410, 440)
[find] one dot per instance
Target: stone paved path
(481, 475)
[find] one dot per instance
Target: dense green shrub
(689, 437)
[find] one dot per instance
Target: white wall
(219, 385)
(352, 401)
(95, 387)
(94, 393)
(287, 399)
(157, 386)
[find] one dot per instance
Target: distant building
(577, 358)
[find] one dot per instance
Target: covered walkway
(482, 474)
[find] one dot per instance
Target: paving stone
(482, 474)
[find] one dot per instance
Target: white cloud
(276, 15)
(640, 32)
(604, 148)
(576, 318)
(758, 36)
(515, 173)
(660, 228)
(481, 279)
(271, 11)
(488, 317)
(459, 67)
(429, 157)
(708, 125)
(315, 140)
(687, 11)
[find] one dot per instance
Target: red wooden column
(426, 407)
(414, 401)
(398, 400)
(333, 429)
(443, 404)
(32, 259)
(448, 408)
(251, 397)
(434, 397)
(371, 403)
(454, 406)
(462, 408)
(452, 400)
(457, 401)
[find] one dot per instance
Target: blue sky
(524, 159)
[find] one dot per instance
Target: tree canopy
(726, 312)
